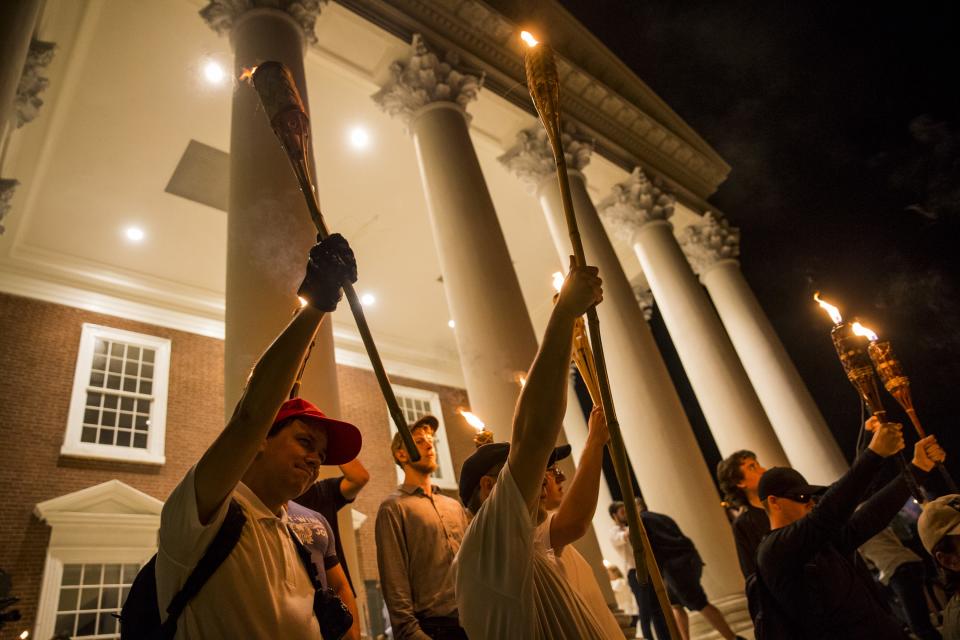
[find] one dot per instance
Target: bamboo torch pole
(283, 106)
(544, 86)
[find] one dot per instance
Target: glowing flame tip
(528, 38)
(473, 420)
(557, 281)
(861, 330)
(829, 308)
(247, 74)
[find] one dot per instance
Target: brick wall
(38, 349)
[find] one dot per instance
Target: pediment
(109, 498)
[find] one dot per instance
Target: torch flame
(473, 420)
(522, 381)
(557, 281)
(528, 38)
(247, 74)
(861, 330)
(832, 310)
(303, 301)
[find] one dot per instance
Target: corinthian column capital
(643, 295)
(635, 202)
(423, 78)
(531, 159)
(32, 83)
(7, 187)
(220, 15)
(710, 241)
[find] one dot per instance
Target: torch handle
(313, 206)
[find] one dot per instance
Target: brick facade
(38, 350)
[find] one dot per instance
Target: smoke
(928, 170)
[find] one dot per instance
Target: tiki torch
(853, 356)
(284, 108)
(483, 435)
(888, 367)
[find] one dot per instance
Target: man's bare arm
(337, 580)
(542, 402)
(575, 514)
(227, 459)
(355, 478)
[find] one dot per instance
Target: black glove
(330, 265)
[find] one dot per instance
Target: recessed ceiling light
(213, 72)
(134, 234)
(368, 299)
(451, 324)
(359, 138)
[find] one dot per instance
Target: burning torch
(283, 106)
(483, 435)
(856, 364)
(889, 369)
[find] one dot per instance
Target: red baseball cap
(343, 439)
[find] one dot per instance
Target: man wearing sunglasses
(806, 563)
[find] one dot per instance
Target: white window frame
(156, 434)
(444, 459)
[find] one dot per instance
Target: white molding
(156, 433)
(399, 360)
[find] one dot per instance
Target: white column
(495, 338)
(639, 211)
(712, 248)
(663, 451)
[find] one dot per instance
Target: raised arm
(355, 478)
(540, 408)
(226, 460)
(575, 514)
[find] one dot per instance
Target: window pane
(113, 382)
(111, 574)
(91, 573)
(142, 423)
(86, 624)
(89, 434)
(146, 371)
(148, 355)
(130, 367)
(100, 363)
(110, 401)
(126, 421)
(107, 624)
(130, 384)
(146, 387)
(109, 598)
(143, 406)
(100, 345)
(130, 572)
(116, 365)
(116, 349)
(93, 399)
(90, 416)
(133, 353)
(123, 438)
(89, 597)
(71, 573)
(96, 379)
(65, 624)
(68, 599)
(109, 419)
(126, 404)
(140, 440)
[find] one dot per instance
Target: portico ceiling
(128, 94)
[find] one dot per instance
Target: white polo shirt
(261, 590)
(578, 573)
(506, 587)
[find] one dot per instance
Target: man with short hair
(418, 533)
(939, 529)
(268, 453)
(739, 479)
(507, 587)
(566, 517)
(806, 563)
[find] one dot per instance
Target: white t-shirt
(261, 590)
(506, 587)
(578, 573)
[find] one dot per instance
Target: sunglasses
(802, 498)
(559, 475)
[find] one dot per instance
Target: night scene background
(842, 124)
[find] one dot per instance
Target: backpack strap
(218, 550)
(306, 559)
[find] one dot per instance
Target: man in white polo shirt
(269, 453)
(506, 587)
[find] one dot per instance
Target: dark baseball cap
(343, 439)
(784, 482)
(425, 421)
(488, 456)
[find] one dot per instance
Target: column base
(734, 609)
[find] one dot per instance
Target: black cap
(488, 456)
(784, 482)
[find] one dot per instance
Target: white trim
(156, 434)
(399, 360)
(448, 479)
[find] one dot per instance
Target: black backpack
(140, 615)
(769, 620)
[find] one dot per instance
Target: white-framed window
(416, 403)
(119, 404)
(90, 594)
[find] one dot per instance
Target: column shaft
(731, 407)
(269, 231)
(666, 459)
(799, 425)
(495, 338)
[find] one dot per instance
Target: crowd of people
(500, 563)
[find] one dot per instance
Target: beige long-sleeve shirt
(418, 537)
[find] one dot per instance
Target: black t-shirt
(748, 531)
(666, 538)
(324, 497)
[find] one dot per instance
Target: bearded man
(418, 532)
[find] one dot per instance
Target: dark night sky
(842, 124)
